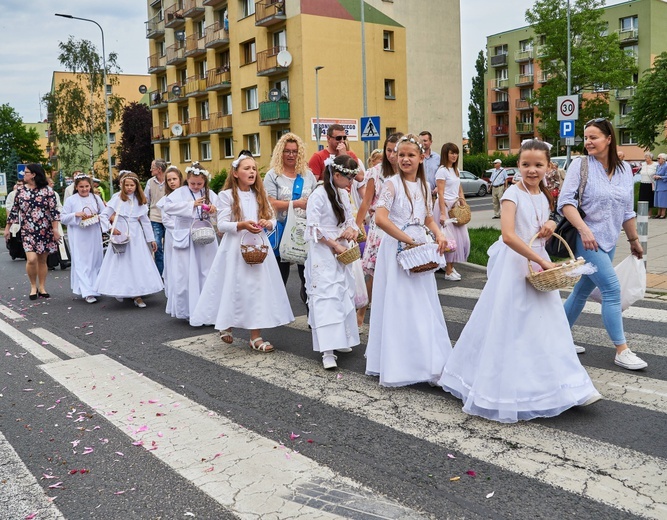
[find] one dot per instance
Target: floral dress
(36, 210)
(375, 234)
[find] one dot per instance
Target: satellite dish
(274, 94)
(176, 90)
(179, 36)
(177, 129)
(284, 59)
(143, 89)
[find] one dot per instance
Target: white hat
(497, 161)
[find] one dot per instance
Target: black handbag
(565, 229)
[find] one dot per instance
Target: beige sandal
(264, 346)
(226, 336)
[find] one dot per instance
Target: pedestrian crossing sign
(370, 128)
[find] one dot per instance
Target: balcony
(523, 104)
(195, 86)
(194, 46)
(213, 3)
(173, 98)
(499, 84)
(524, 79)
(500, 130)
(186, 131)
(157, 99)
(500, 106)
(624, 93)
(267, 63)
(192, 8)
(219, 123)
(219, 79)
(544, 77)
(157, 63)
(524, 55)
(525, 128)
(159, 133)
(215, 36)
(541, 51)
(155, 26)
(199, 125)
(628, 35)
(499, 60)
(176, 53)
(173, 15)
(269, 12)
(621, 120)
(274, 112)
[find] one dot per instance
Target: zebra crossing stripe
(59, 343)
(12, 315)
(31, 346)
(590, 468)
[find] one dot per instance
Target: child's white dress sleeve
(314, 211)
(68, 213)
(387, 196)
(225, 224)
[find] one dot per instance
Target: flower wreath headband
(237, 161)
(79, 176)
(196, 170)
(347, 172)
(126, 174)
(410, 140)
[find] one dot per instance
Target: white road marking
(11, 314)
(59, 343)
(34, 348)
(620, 477)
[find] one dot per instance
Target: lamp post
(317, 105)
(569, 74)
(106, 100)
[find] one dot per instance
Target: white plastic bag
(293, 245)
(631, 274)
(360, 291)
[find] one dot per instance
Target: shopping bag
(360, 291)
(449, 237)
(631, 274)
(275, 236)
(293, 245)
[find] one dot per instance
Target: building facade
(233, 75)
(513, 74)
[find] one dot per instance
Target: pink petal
(138, 443)
(293, 436)
(31, 516)
(45, 476)
(216, 456)
(208, 470)
(57, 485)
(87, 450)
(120, 453)
(159, 434)
(471, 473)
(310, 441)
(451, 456)
(152, 401)
(142, 428)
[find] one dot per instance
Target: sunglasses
(596, 120)
(341, 138)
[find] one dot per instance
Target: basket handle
(530, 244)
(262, 236)
(401, 246)
(115, 221)
(195, 220)
(87, 208)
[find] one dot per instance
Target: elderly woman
(35, 210)
(607, 201)
(647, 184)
(660, 177)
(289, 179)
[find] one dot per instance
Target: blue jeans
(604, 279)
(158, 231)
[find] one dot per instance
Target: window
(280, 39)
(526, 93)
(205, 151)
(185, 152)
(389, 130)
(113, 161)
(182, 75)
(283, 86)
(164, 151)
(200, 29)
(252, 143)
(627, 138)
(632, 51)
(108, 90)
(162, 80)
(605, 29)
(222, 59)
(226, 104)
(503, 144)
(112, 137)
(164, 117)
(388, 40)
(630, 23)
(526, 69)
(500, 49)
(248, 53)
(501, 74)
(203, 109)
(389, 89)
(161, 49)
(247, 7)
(228, 147)
(250, 98)
(526, 45)
(201, 68)
(624, 108)
(502, 96)
(543, 39)
(185, 114)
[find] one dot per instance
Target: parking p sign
(567, 108)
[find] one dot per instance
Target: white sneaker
(329, 361)
(592, 399)
(344, 350)
(453, 277)
(455, 272)
(579, 349)
(629, 360)
(91, 299)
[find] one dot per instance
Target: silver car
(473, 185)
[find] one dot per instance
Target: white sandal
(226, 336)
(264, 346)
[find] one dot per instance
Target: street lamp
(106, 100)
(317, 105)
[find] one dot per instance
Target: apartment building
(228, 75)
(513, 74)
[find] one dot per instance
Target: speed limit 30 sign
(567, 108)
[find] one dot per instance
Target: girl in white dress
(189, 205)
(450, 192)
(173, 179)
(235, 293)
(515, 359)
(131, 274)
(85, 241)
(329, 283)
(408, 340)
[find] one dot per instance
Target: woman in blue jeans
(607, 201)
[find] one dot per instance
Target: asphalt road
(160, 420)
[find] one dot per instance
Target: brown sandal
(264, 346)
(226, 336)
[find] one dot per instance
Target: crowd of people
(179, 236)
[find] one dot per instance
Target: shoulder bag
(276, 235)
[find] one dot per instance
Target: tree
(649, 105)
(135, 151)
(476, 108)
(76, 107)
(17, 144)
(598, 62)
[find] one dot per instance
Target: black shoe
(33, 296)
(44, 295)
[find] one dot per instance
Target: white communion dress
(188, 263)
(329, 283)
(408, 341)
(515, 359)
(458, 233)
(237, 294)
(85, 243)
(132, 273)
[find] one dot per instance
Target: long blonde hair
(264, 208)
(415, 140)
(276, 164)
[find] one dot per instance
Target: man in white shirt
(498, 185)
(431, 159)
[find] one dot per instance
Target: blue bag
(276, 235)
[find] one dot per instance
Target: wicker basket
(461, 212)
(202, 232)
(88, 218)
(119, 242)
(349, 256)
(254, 254)
(420, 258)
(558, 277)
(361, 237)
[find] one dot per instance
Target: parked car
(473, 185)
(510, 173)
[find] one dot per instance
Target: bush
(476, 164)
(218, 181)
(3, 218)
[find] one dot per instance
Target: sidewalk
(656, 256)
